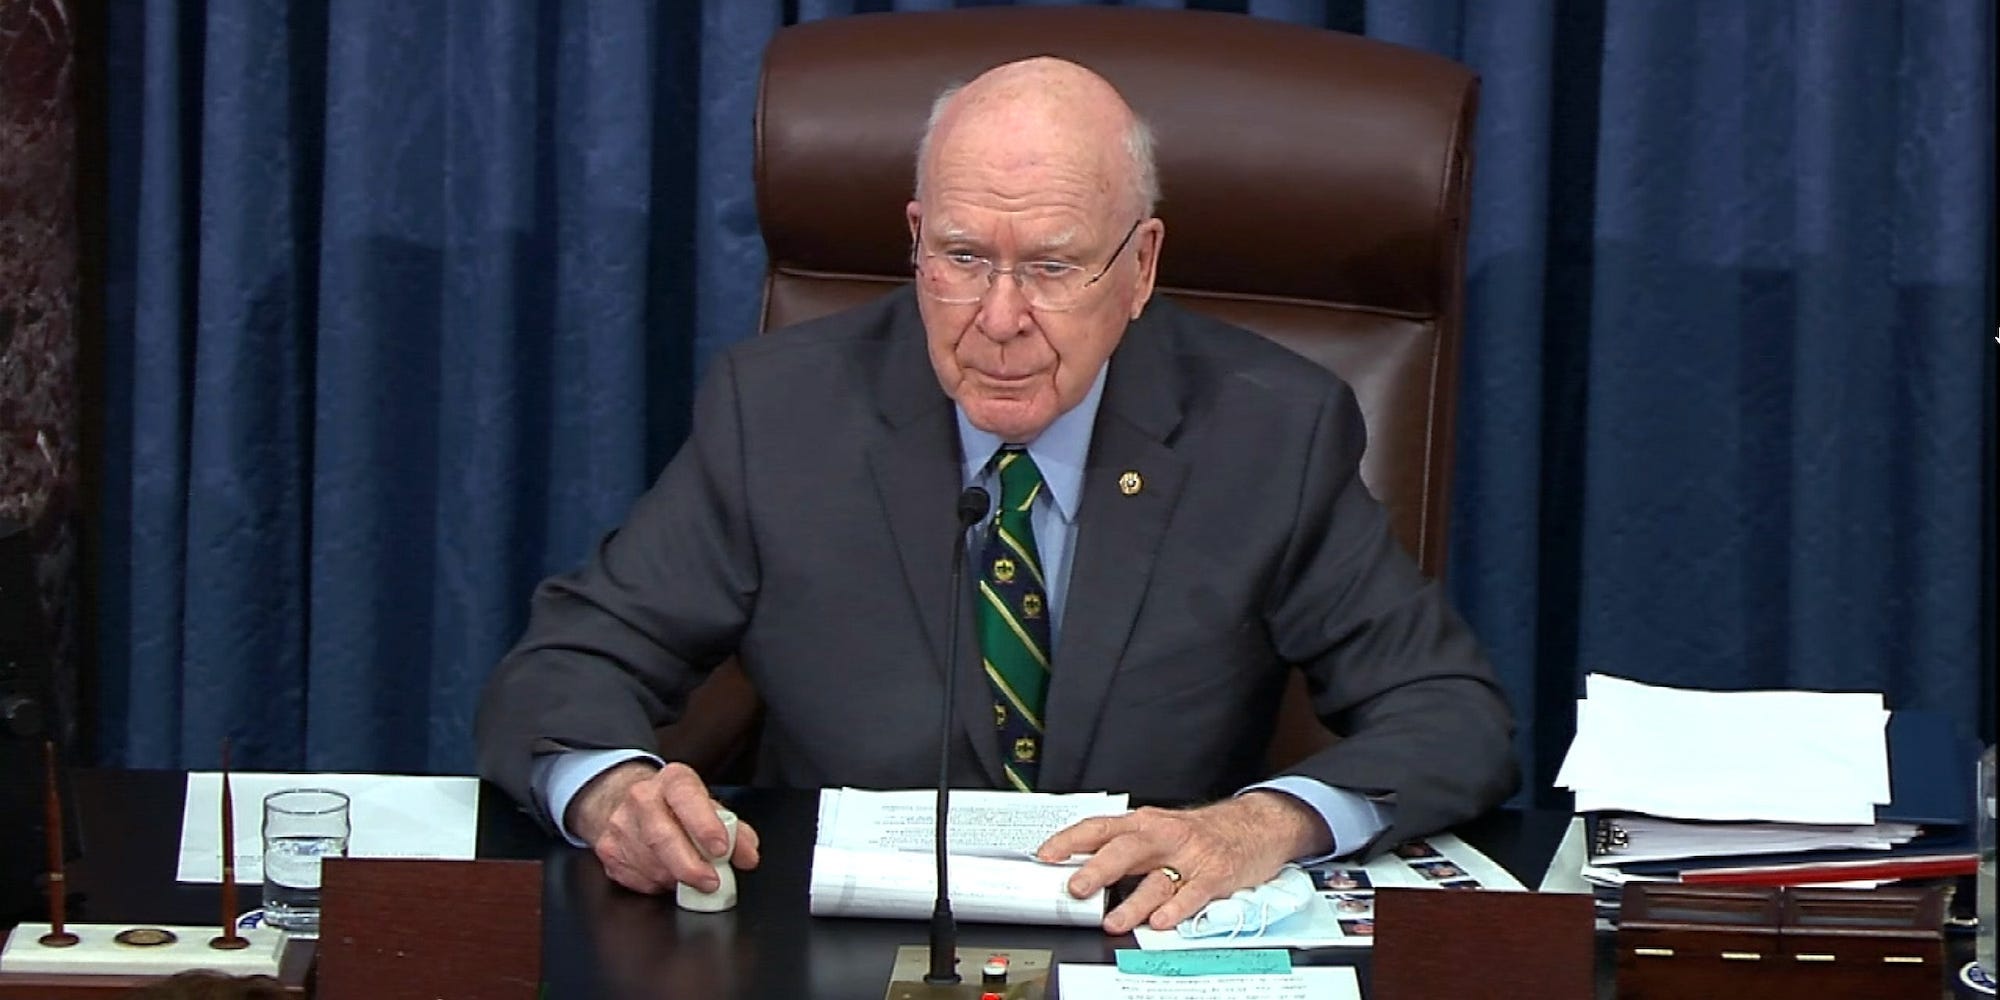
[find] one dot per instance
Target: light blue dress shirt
(1059, 453)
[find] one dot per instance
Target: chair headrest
(1294, 163)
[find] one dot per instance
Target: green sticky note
(1205, 962)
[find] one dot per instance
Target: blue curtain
(406, 300)
(401, 311)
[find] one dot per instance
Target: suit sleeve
(1389, 664)
(613, 648)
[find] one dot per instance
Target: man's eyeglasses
(960, 277)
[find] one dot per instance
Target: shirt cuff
(562, 775)
(1352, 818)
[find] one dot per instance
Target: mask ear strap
(1246, 926)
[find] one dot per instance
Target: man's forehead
(1048, 234)
(1019, 139)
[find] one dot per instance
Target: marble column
(38, 306)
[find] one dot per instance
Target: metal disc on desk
(145, 937)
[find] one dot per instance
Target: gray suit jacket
(808, 524)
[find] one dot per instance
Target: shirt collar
(1059, 452)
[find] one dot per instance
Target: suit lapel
(1119, 530)
(916, 468)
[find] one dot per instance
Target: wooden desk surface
(601, 941)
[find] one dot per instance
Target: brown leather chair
(1315, 191)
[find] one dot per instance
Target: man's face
(1011, 367)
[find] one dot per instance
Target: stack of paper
(1650, 838)
(1780, 756)
(874, 856)
(1771, 787)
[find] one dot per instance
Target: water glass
(301, 827)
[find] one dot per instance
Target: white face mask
(1251, 911)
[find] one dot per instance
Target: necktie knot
(1020, 480)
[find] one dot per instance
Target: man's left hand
(1216, 850)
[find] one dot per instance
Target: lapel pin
(1130, 483)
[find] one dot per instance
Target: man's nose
(1003, 311)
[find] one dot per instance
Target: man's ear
(1151, 236)
(913, 213)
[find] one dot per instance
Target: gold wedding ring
(1173, 874)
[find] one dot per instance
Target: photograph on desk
(1761, 788)
(1330, 878)
(1353, 904)
(1341, 912)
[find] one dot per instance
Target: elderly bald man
(1181, 517)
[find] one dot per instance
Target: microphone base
(1028, 972)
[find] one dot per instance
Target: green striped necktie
(1014, 619)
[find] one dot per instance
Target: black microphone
(973, 503)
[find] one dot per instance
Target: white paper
(1396, 871)
(983, 822)
(1780, 756)
(901, 884)
(1605, 875)
(1313, 983)
(1565, 871)
(1587, 765)
(1443, 861)
(392, 815)
(873, 855)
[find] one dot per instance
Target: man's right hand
(644, 822)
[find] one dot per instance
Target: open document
(873, 856)
(1106, 982)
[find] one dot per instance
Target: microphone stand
(1015, 973)
(972, 506)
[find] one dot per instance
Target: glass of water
(301, 826)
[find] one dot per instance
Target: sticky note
(1205, 962)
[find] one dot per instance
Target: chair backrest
(1315, 190)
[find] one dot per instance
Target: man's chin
(1015, 422)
